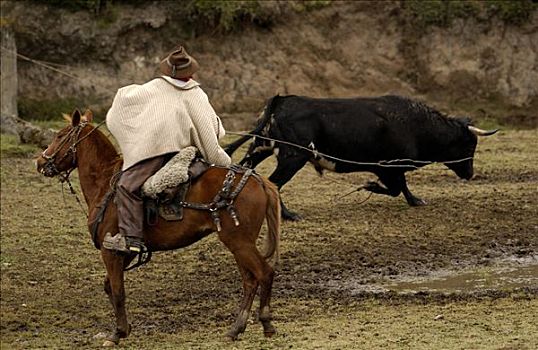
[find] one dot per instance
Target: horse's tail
(271, 244)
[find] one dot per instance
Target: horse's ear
(88, 116)
(75, 118)
(67, 117)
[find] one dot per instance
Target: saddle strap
(241, 183)
(100, 215)
(223, 199)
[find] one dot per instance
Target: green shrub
(52, 109)
(203, 15)
(99, 7)
(512, 12)
(221, 15)
(11, 147)
(442, 12)
(308, 5)
(74, 5)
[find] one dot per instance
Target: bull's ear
(466, 120)
(75, 117)
(88, 116)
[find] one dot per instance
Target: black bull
(386, 135)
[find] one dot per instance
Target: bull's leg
(375, 187)
(410, 198)
(395, 183)
(287, 214)
(252, 160)
(285, 170)
(114, 288)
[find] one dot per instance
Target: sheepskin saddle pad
(168, 186)
(173, 173)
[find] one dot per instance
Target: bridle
(73, 137)
(50, 168)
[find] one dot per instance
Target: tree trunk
(10, 123)
(8, 75)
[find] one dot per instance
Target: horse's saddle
(165, 192)
(167, 188)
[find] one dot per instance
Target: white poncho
(160, 117)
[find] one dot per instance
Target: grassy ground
(51, 284)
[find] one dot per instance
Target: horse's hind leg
(266, 286)
(114, 288)
(250, 285)
(255, 270)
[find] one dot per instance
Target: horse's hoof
(109, 344)
(269, 334)
(112, 340)
(231, 336)
(269, 331)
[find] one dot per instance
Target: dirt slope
(482, 67)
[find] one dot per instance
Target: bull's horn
(480, 132)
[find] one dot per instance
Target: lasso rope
(386, 164)
(383, 163)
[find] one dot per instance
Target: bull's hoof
(371, 186)
(290, 216)
(417, 202)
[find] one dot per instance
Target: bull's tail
(232, 147)
(271, 244)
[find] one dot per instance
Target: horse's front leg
(114, 288)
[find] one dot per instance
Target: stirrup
(143, 258)
(127, 245)
(116, 243)
(122, 244)
(135, 245)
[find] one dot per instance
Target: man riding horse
(151, 123)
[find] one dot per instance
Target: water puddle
(506, 278)
(507, 275)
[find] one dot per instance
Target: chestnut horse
(81, 145)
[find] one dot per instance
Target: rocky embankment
(483, 67)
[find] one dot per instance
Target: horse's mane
(109, 144)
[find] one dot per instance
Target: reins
(65, 178)
(72, 135)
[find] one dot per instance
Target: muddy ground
(326, 293)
